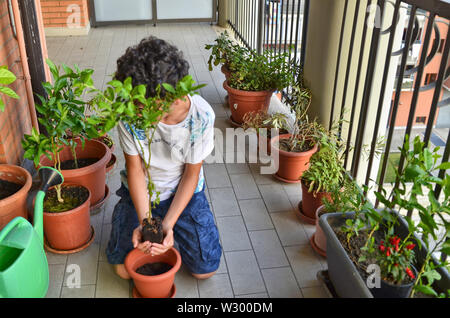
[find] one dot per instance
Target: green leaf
(427, 290)
(168, 88)
(6, 76)
(9, 92)
(444, 166)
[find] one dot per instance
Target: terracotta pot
(319, 240)
(92, 177)
(14, 205)
(102, 139)
(310, 203)
(68, 230)
(111, 163)
(158, 286)
(291, 164)
(242, 102)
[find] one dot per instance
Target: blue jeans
(195, 232)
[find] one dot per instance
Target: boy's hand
(137, 240)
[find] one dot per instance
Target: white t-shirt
(189, 141)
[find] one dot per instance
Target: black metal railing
(427, 25)
(275, 25)
(434, 15)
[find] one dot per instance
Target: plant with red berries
(395, 258)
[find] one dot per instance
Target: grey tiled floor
(266, 248)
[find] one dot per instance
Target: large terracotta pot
(291, 164)
(243, 102)
(70, 230)
(14, 205)
(310, 203)
(319, 240)
(158, 286)
(92, 177)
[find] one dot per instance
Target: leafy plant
(6, 78)
(395, 258)
(221, 51)
(305, 132)
(62, 111)
(415, 195)
(260, 72)
(121, 101)
(325, 171)
(264, 122)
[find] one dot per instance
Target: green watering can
(23, 264)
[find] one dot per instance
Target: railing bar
(286, 26)
(349, 62)
(254, 17)
(280, 14)
(383, 88)
(367, 93)
(276, 28)
(296, 33)
(356, 90)
(304, 32)
(272, 27)
(394, 108)
(437, 90)
(418, 82)
(333, 102)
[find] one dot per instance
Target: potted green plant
(342, 198)
(325, 173)
(251, 85)
(121, 101)
(81, 160)
(15, 182)
(390, 239)
(295, 149)
(265, 125)
(221, 52)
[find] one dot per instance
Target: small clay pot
(14, 205)
(291, 164)
(319, 240)
(243, 102)
(66, 231)
(157, 286)
(310, 203)
(93, 176)
(111, 163)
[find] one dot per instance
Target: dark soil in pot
(8, 188)
(153, 269)
(353, 249)
(152, 230)
(73, 197)
(85, 162)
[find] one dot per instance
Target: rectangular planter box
(344, 275)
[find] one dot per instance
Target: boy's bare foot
(203, 276)
(121, 271)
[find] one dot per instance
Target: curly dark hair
(152, 62)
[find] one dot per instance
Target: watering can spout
(49, 177)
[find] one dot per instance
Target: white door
(122, 10)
